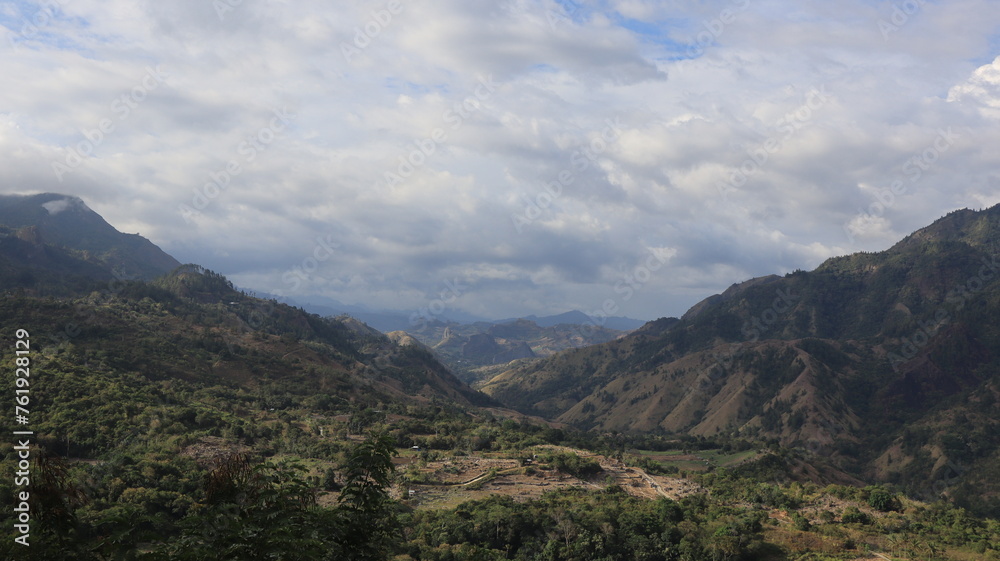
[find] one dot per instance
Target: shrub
(881, 500)
(854, 516)
(575, 465)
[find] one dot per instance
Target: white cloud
(57, 206)
(686, 125)
(982, 89)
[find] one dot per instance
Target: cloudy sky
(504, 158)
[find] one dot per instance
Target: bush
(575, 465)
(881, 500)
(854, 516)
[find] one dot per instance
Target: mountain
(181, 418)
(577, 317)
(395, 320)
(476, 352)
(120, 296)
(385, 321)
(27, 263)
(66, 223)
(887, 362)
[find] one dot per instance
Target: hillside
(182, 419)
(577, 317)
(887, 362)
(474, 352)
(66, 223)
(188, 324)
(29, 264)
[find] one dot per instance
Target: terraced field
(445, 483)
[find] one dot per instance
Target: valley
(177, 416)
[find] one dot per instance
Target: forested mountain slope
(888, 362)
(66, 223)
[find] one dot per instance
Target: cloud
(981, 90)
(393, 148)
(59, 205)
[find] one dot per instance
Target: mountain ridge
(851, 360)
(65, 221)
(55, 246)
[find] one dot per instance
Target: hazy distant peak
(404, 339)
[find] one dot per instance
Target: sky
(505, 158)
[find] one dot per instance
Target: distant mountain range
(54, 245)
(124, 299)
(80, 244)
(577, 317)
(476, 351)
(887, 362)
(473, 349)
(396, 320)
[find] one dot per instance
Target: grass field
(698, 460)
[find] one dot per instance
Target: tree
(366, 512)
(253, 511)
(268, 512)
(880, 499)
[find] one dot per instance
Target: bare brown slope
(771, 388)
(847, 360)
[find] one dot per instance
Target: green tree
(880, 499)
(262, 511)
(366, 513)
(269, 512)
